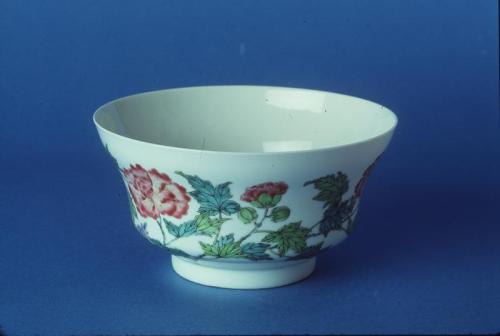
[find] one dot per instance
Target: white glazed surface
(247, 136)
(245, 119)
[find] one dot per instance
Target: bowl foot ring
(252, 275)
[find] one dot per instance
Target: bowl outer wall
(248, 169)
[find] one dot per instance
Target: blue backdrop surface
(425, 255)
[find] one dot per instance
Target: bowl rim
(112, 134)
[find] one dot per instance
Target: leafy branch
(256, 226)
(336, 210)
(216, 206)
(291, 236)
(161, 229)
(213, 200)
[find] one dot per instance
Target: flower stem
(161, 229)
(313, 235)
(171, 241)
(256, 226)
(312, 227)
(218, 231)
(266, 211)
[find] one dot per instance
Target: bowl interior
(245, 118)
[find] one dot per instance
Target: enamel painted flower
(265, 195)
(155, 194)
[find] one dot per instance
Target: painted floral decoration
(265, 195)
(263, 211)
(155, 194)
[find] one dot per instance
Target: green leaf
(172, 228)
(247, 215)
(224, 247)
(265, 200)
(257, 204)
(197, 183)
(209, 250)
(324, 196)
(229, 207)
(290, 237)
(331, 187)
(186, 229)
(212, 200)
(280, 214)
(337, 211)
(230, 251)
(222, 191)
(208, 226)
(336, 215)
(255, 251)
(276, 200)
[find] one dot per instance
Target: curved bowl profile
(244, 185)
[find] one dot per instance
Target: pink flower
(155, 194)
(364, 179)
(272, 189)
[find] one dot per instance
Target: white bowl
(244, 185)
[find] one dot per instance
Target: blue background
(425, 256)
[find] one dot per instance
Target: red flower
(364, 179)
(272, 189)
(155, 194)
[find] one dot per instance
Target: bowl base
(253, 275)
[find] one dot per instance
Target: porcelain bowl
(244, 185)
